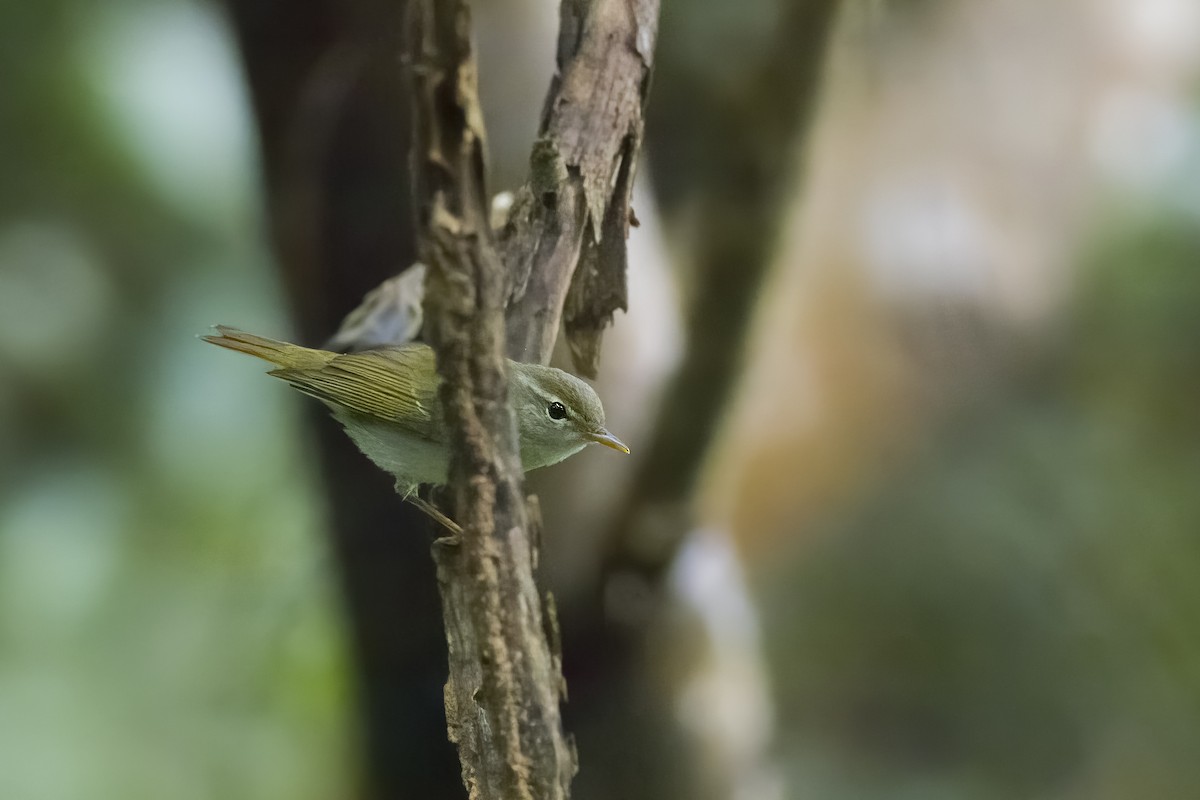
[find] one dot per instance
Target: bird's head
(557, 415)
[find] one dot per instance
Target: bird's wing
(392, 384)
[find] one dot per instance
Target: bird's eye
(556, 410)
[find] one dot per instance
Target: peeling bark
(505, 684)
(581, 174)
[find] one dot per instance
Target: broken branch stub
(581, 174)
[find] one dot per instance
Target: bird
(386, 399)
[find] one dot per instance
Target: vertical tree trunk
(333, 132)
(503, 692)
(725, 135)
(502, 698)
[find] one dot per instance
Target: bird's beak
(608, 440)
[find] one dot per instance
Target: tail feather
(281, 354)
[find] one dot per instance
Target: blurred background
(911, 375)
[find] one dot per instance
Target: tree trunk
(333, 132)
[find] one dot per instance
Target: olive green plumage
(386, 399)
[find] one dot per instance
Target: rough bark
(574, 210)
(503, 691)
(502, 697)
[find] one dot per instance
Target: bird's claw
(455, 537)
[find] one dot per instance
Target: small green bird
(387, 401)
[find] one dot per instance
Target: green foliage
(166, 624)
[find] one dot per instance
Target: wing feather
(393, 384)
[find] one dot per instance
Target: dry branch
(502, 696)
(576, 202)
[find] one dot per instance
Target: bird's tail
(281, 354)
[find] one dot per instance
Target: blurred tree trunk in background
(734, 87)
(329, 97)
(725, 136)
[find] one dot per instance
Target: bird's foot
(436, 515)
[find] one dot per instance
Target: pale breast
(410, 459)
